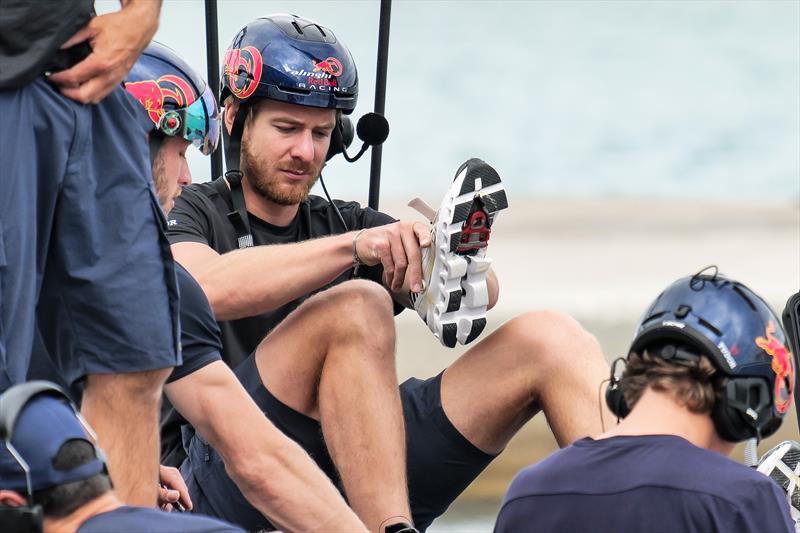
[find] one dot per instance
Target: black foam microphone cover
(372, 128)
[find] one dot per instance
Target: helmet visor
(201, 122)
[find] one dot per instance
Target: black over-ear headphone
(615, 399)
(735, 413)
(341, 136)
(29, 518)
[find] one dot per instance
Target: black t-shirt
(200, 215)
(647, 483)
(200, 346)
(31, 33)
(200, 337)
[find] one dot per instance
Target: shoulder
(543, 476)
(126, 519)
(357, 215)
(199, 193)
(190, 291)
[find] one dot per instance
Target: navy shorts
(83, 255)
(441, 461)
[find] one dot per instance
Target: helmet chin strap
(233, 152)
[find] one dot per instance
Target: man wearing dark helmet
(274, 260)
(273, 473)
(708, 367)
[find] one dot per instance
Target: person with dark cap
(709, 367)
(83, 257)
(54, 479)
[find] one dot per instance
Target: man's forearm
(274, 473)
(288, 488)
(255, 280)
(147, 14)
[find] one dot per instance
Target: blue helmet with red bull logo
(177, 99)
(733, 326)
(290, 59)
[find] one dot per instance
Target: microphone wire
(335, 208)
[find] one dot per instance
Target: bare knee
(361, 306)
(552, 340)
(141, 387)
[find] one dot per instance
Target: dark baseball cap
(41, 428)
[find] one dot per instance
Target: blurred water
(696, 99)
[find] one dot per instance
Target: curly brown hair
(694, 384)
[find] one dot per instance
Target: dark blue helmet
(736, 329)
(291, 59)
(178, 101)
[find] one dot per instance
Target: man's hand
(397, 247)
(117, 39)
(173, 489)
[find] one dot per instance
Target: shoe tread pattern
(449, 335)
(477, 328)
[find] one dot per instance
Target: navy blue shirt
(649, 483)
(127, 519)
(201, 345)
(200, 337)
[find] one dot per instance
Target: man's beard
(270, 188)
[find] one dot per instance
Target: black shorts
(441, 461)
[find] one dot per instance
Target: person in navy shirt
(68, 478)
(709, 367)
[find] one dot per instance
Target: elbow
(262, 476)
(220, 298)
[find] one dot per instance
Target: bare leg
(333, 359)
(123, 410)
(537, 361)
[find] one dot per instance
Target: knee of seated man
(360, 306)
(362, 298)
(551, 338)
(143, 386)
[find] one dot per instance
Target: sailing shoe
(782, 464)
(454, 296)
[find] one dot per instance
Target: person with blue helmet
(277, 261)
(275, 475)
(84, 263)
(708, 367)
(54, 479)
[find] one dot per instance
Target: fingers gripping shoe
(454, 297)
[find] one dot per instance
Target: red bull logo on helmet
(782, 365)
(243, 67)
(330, 65)
(168, 91)
(322, 75)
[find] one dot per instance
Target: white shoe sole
(453, 302)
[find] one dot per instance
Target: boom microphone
(372, 129)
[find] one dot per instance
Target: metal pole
(380, 99)
(212, 60)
